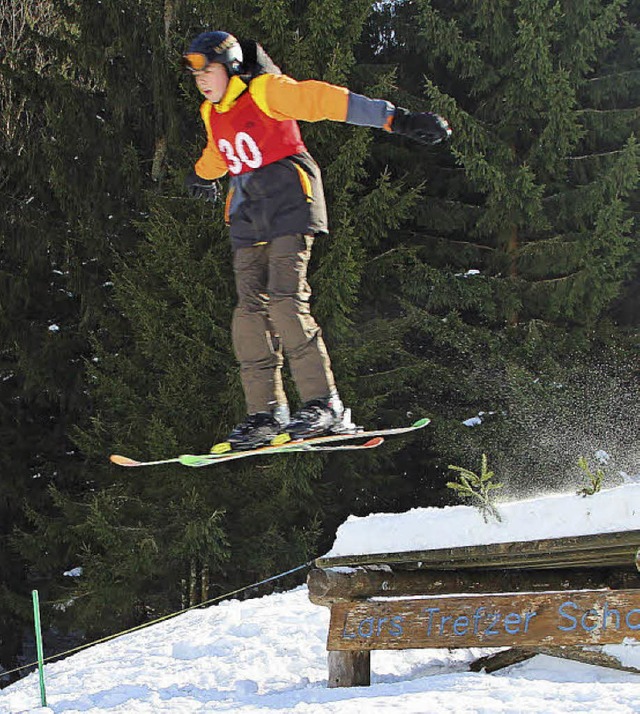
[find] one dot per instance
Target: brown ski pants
(272, 316)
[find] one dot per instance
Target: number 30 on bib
(245, 153)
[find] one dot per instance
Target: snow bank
(553, 516)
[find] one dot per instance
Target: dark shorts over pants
(272, 316)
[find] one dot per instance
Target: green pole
(36, 620)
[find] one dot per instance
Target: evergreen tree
(41, 337)
(72, 180)
(505, 279)
(615, 87)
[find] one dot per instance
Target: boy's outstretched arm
(282, 97)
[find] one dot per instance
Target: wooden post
(349, 669)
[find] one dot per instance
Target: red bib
(248, 138)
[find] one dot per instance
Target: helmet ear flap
(233, 67)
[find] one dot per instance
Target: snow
(552, 516)
(268, 655)
(73, 573)
(470, 273)
(474, 421)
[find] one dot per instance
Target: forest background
(495, 279)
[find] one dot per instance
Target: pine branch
(479, 246)
(604, 77)
(593, 156)
(632, 111)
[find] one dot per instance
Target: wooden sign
(559, 618)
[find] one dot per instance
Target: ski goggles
(194, 61)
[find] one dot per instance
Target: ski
(374, 438)
(198, 460)
(290, 447)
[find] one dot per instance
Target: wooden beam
(587, 656)
(329, 586)
(515, 655)
(504, 658)
(602, 549)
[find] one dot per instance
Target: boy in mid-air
(275, 207)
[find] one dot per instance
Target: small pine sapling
(480, 488)
(594, 479)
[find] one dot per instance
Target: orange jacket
(282, 98)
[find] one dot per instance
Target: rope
(160, 619)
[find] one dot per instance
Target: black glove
(425, 127)
(197, 187)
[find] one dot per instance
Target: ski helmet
(218, 46)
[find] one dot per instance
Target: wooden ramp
(551, 596)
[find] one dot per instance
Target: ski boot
(256, 430)
(320, 417)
